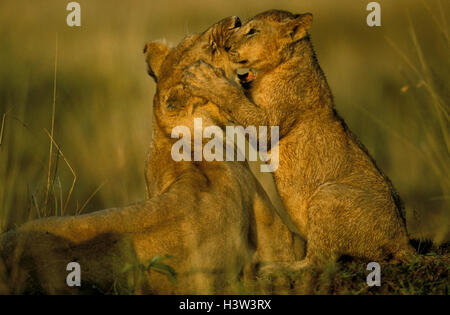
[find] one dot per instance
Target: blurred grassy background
(390, 85)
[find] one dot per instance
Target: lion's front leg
(203, 80)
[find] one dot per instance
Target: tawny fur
(213, 217)
(338, 198)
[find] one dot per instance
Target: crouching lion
(212, 218)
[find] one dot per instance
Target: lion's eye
(251, 31)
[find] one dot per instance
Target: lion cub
(332, 189)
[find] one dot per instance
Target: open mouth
(246, 75)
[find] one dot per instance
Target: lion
(331, 187)
(274, 239)
(212, 218)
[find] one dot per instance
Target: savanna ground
(390, 83)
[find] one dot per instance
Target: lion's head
(172, 104)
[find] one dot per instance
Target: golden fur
(338, 198)
(212, 217)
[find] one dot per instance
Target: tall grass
(436, 148)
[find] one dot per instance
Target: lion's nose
(237, 22)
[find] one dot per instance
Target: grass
(428, 274)
(75, 114)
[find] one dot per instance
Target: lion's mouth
(246, 76)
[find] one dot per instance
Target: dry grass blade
(444, 22)
(69, 194)
(441, 111)
(36, 206)
(90, 197)
(426, 73)
(2, 130)
(60, 194)
(442, 25)
(422, 154)
(403, 55)
(52, 125)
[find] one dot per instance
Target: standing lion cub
(332, 189)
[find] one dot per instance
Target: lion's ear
(155, 54)
(298, 27)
